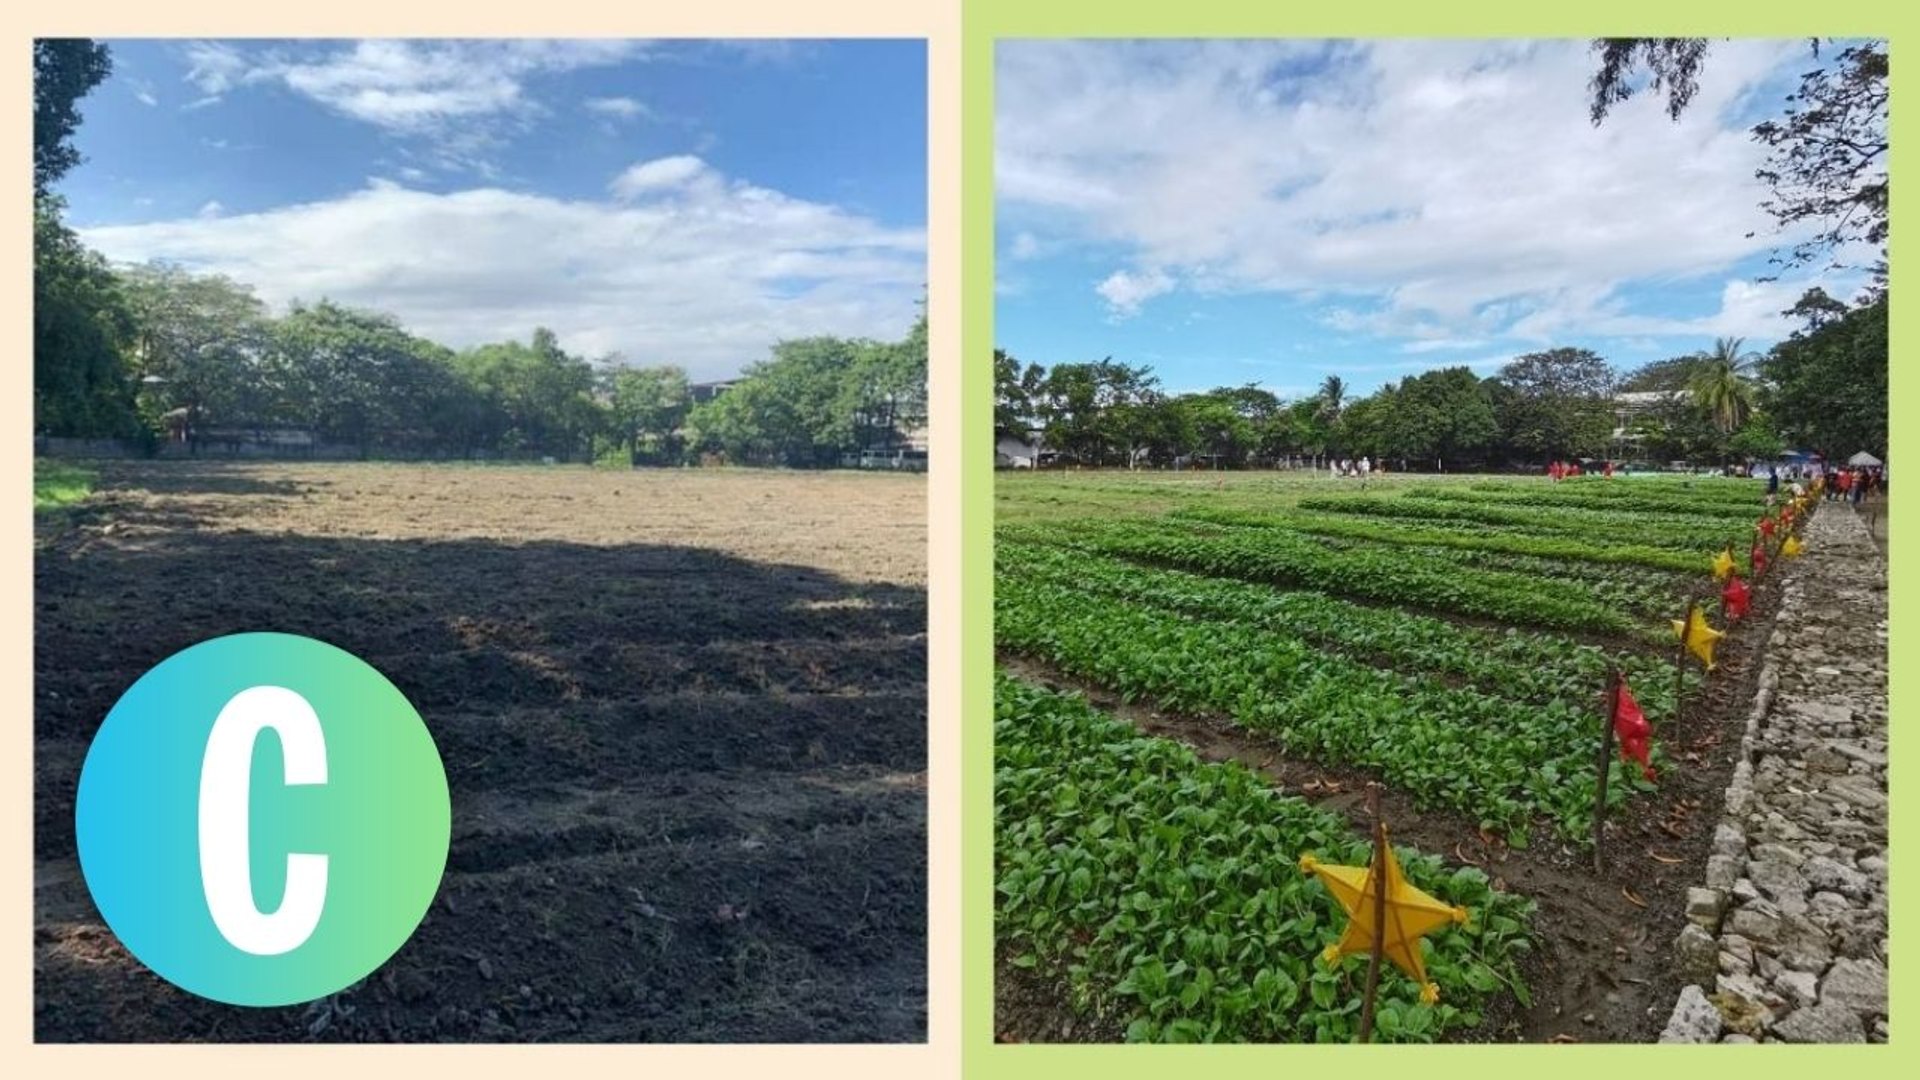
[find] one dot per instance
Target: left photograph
(480, 541)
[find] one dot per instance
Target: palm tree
(1332, 391)
(1332, 394)
(1722, 384)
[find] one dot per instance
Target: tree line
(155, 353)
(1823, 389)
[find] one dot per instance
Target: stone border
(1783, 967)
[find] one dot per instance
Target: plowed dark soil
(683, 717)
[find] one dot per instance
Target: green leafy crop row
(1386, 574)
(1166, 892)
(1677, 504)
(1521, 666)
(1599, 526)
(1498, 761)
(1620, 550)
(1707, 490)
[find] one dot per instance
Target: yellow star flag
(1411, 915)
(1696, 635)
(1723, 564)
(1793, 546)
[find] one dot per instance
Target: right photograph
(1440, 547)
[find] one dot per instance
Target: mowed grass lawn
(57, 484)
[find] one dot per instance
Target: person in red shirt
(1609, 470)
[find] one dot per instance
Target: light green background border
(983, 22)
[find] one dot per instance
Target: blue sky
(674, 202)
(1278, 211)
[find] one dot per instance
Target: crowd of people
(1565, 470)
(1856, 483)
(1848, 483)
(1363, 468)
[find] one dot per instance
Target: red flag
(1758, 556)
(1631, 728)
(1734, 599)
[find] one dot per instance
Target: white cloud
(704, 274)
(214, 68)
(661, 174)
(465, 98)
(1441, 345)
(1125, 290)
(212, 209)
(616, 108)
(1453, 191)
(408, 172)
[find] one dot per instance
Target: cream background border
(940, 24)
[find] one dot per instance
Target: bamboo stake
(1378, 875)
(1679, 675)
(1606, 761)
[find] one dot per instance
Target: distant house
(702, 392)
(1628, 408)
(1013, 452)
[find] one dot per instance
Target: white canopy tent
(1865, 460)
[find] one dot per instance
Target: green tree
(81, 329)
(1671, 375)
(1756, 440)
(1365, 426)
(64, 71)
(647, 407)
(1673, 68)
(786, 410)
(1828, 384)
(884, 391)
(1076, 403)
(1827, 160)
(1016, 391)
(1164, 430)
(197, 343)
(1816, 308)
(1219, 426)
(1721, 383)
(1307, 429)
(351, 376)
(1557, 403)
(1438, 416)
(1827, 155)
(81, 386)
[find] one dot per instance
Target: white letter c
(226, 871)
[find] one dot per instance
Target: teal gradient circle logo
(262, 819)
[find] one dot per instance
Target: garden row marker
(1606, 760)
(1378, 877)
(1386, 915)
